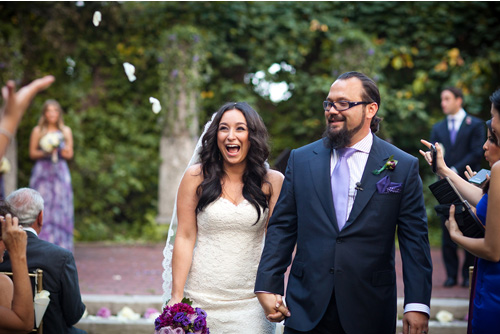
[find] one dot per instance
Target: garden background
(231, 51)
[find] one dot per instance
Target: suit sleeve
(474, 151)
(414, 242)
(71, 300)
(280, 239)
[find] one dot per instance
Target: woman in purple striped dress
(51, 144)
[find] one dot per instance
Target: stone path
(137, 269)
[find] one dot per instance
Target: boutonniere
(468, 120)
(390, 164)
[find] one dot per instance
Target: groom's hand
(273, 306)
(415, 323)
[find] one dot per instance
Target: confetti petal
(129, 71)
(97, 18)
(156, 105)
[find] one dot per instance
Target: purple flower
(371, 52)
(196, 38)
(174, 73)
(199, 323)
(104, 312)
(201, 312)
(172, 37)
(185, 322)
(179, 317)
(159, 59)
(196, 58)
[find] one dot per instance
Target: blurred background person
(51, 144)
(462, 136)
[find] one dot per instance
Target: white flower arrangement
(50, 142)
(4, 165)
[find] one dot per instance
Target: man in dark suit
(60, 276)
(462, 137)
(343, 277)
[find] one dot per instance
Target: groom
(343, 278)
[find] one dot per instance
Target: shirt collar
(31, 229)
(459, 116)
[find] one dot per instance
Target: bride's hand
(174, 301)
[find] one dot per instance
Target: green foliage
(412, 50)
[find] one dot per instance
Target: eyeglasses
(341, 105)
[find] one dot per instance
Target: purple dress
(53, 182)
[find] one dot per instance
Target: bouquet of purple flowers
(181, 318)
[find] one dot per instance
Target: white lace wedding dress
(225, 260)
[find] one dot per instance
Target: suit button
(332, 270)
(340, 240)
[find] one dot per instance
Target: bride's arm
(488, 247)
(187, 228)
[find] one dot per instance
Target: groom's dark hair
(212, 161)
(370, 93)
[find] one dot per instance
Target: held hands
(452, 226)
(273, 306)
(415, 323)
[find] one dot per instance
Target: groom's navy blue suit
(356, 262)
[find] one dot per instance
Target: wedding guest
(461, 136)
(51, 144)
(471, 192)
(486, 305)
(15, 104)
(16, 296)
(60, 276)
(343, 199)
(223, 204)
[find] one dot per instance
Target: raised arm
(15, 104)
(469, 191)
(185, 239)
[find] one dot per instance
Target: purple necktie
(340, 185)
(453, 132)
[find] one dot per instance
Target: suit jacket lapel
(320, 173)
(376, 159)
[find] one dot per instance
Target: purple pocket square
(385, 186)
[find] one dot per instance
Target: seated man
(60, 276)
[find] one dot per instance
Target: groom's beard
(335, 139)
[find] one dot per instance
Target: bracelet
(6, 133)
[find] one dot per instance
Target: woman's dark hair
(495, 99)
(212, 163)
(370, 94)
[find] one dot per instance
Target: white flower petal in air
(129, 71)
(444, 316)
(156, 104)
(97, 18)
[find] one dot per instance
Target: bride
(224, 201)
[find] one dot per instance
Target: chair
(38, 275)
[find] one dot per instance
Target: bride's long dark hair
(212, 162)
